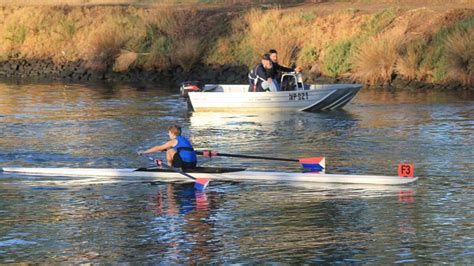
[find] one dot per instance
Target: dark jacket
(276, 70)
(256, 76)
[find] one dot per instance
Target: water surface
(97, 220)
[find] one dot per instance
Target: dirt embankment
(428, 43)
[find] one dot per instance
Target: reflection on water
(97, 220)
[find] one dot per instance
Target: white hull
(230, 176)
(237, 98)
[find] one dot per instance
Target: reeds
(273, 29)
(460, 56)
(124, 60)
(187, 53)
(374, 61)
(408, 63)
(100, 48)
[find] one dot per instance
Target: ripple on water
(99, 220)
(14, 242)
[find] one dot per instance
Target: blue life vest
(185, 150)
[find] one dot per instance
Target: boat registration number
(298, 96)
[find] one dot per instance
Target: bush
(307, 56)
(158, 56)
(410, 59)
(16, 33)
(187, 53)
(336, 61)
(379, 22)
(459, 48)
(435, 56)
(375, 60)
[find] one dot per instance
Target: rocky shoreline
(77, 72)
(46, 70)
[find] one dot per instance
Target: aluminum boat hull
(236, 98)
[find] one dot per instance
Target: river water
(93, 220)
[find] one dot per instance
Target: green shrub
(338, 57)
(307, 56)
(16, 33)
(379, 22)
(337, 60)
(435, 57)
(158, 55)
(460, 56)
(308, 16)
(66, 28)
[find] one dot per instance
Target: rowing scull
(227, 174)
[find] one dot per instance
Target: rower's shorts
(178, 162)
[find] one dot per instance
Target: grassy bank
(371, 45)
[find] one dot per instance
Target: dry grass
(264, 34)
(460, 56)
(375, 60)
(67, 34)
(102, 45)
(300, 37)
(233, 47)
(409, 62)
(162, 37)
(417, 31)
(158, 57)
(175, 38)
(372, 3)
(187, 53)
(124, 60)
(98, 34)
(92, 2)
(325, 31)
(175, 23)
(62, 2)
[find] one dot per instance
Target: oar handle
(208, 153)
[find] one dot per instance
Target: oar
(199, 183)
(313, 163)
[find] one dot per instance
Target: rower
(179, 150)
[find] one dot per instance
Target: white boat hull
(237, 98)
(229, 176)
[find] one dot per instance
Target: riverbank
(45, 71)
(378, 45)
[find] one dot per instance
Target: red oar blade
(201, 183)
(315, 164)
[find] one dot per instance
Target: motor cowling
(190, 86)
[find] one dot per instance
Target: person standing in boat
(179, 150)
(277, 69)
(260, 76)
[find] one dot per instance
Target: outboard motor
(189, 86)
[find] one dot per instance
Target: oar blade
(314, 164)
(201, 183)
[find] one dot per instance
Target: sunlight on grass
(375, 60)
(161, 37)
(460, 56)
